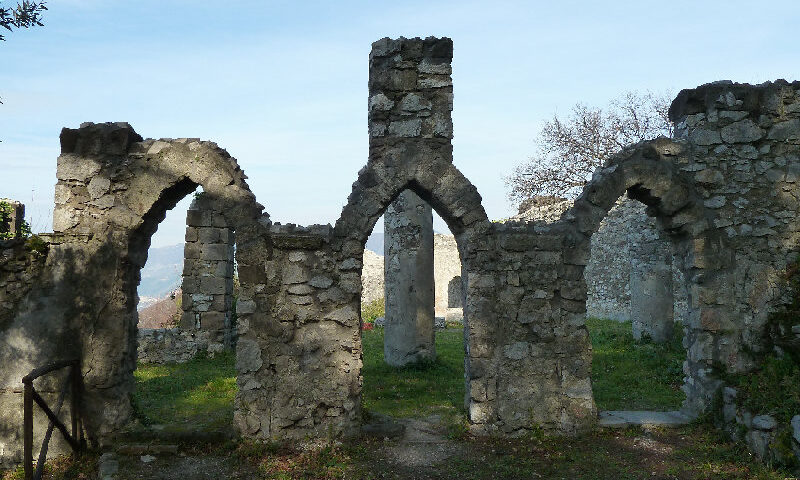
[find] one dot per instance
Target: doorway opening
(412, 324)
(185, 375)
(636, 310)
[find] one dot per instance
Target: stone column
(409, 285)
(208, 274)
(652, 302)
(13, 225)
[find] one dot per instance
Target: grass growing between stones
(634, 375)
(197, 394)
(417, 390)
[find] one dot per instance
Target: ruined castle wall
(745, 159)
(20, 273)
(20, 269)
(725, 193)
(113, 189)
(298, 355)
(627, 241)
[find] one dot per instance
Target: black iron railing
(75, 439)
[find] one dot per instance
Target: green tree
(25, 15)
(570, 150)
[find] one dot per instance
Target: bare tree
(25, 15)
(569, 151)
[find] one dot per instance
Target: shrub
(372, 310)
(6, 211)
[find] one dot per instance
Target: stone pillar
(208, 274)
(12, 226)
(409, 285)
(652, 301)
(455, 303)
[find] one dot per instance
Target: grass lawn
(626, 375)
(418, 390)
(197, 394)
(631, 375)
(200, 393)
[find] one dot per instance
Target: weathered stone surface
(652, 302)
(766, 423)
(170, 345)
(409, 281)
(745, 131)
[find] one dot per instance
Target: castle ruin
(724, 192)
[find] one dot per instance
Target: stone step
(146, 448)
(626, 418)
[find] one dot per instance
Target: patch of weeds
(372, 310)
(634, 375)
(774, 388)
(35, 243)
(63, 467)
(281, 461)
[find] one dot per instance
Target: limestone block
(214, 285)
(212, 321)
(208, 235)
(98, 186)
(380, 102)
(405, 128)
(215, 251)
(744, 131)
(765, 423)
(787, 130)
(248, 355)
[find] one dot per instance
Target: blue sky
(282, 85)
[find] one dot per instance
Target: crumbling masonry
(724, 190)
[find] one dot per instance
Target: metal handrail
(75, 439)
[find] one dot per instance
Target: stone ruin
(724, 191)
(206, 321)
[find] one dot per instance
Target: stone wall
(20, 268)
(113, 189)
(760, 432)
(372, 283)
(170, 345)
(446, 266)
(298, 356)
(208, 274)
(743, 156)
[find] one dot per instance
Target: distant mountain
(164, 313)
(161, 274)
